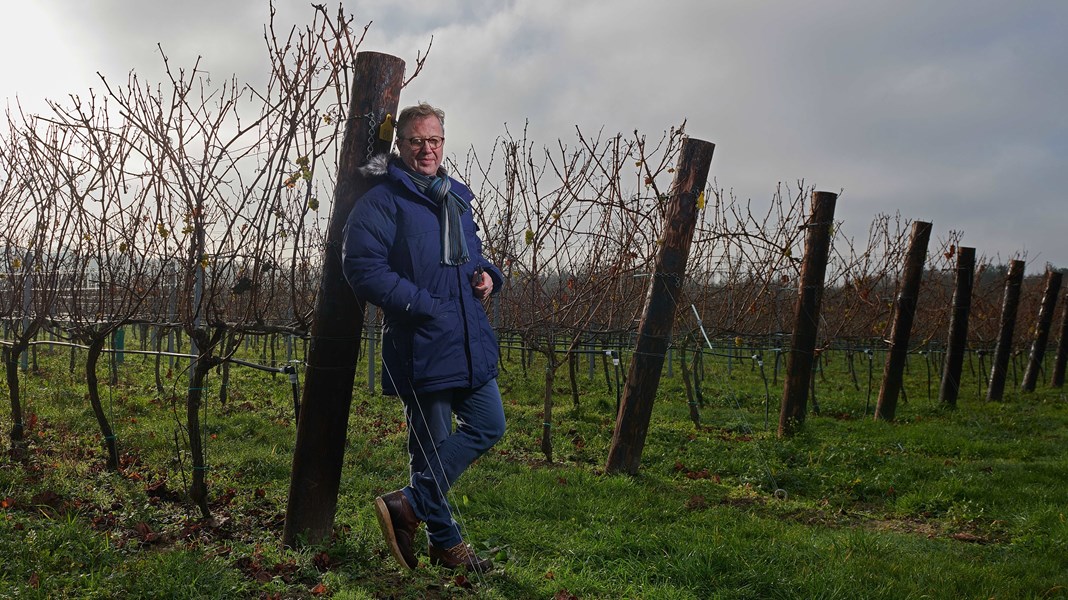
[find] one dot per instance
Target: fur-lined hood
(378, 165)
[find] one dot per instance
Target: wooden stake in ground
(338, 317)
(1045, 321)
(1057, 379)
(654, 329)
(904, 313)
(1003, 351)
(958, 328)
(807, 313)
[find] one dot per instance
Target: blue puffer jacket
(436, 334)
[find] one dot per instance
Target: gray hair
(418, 111)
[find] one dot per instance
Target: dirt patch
(972, 533)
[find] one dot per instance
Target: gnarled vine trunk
(96, 347)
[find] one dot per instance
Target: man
(411, 248)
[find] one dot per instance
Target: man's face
(422, 158)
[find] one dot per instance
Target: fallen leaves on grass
(696, 503)
(971, 538)
(696, 474)
(323, 561)
(145, 534)
(50, 499)
(254, 568)
(158, 489)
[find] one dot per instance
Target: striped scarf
(439, 189)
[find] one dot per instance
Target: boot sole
(386, 523)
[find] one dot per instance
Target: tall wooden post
(958, 327)
(1045, 321)
(1003, 350)
(904, 313)
(1057, 380)
(338, 317)
(654, 329)
(807, 313)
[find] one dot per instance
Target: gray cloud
(949, 111)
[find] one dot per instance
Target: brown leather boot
(460, 555)
(399, 524)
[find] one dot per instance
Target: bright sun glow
(40, 60)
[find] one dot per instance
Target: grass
(939, 504)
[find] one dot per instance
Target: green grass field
(969, 503)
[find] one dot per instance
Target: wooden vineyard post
(654, 329)
(799, 360)
(1057, 380)
(338, 317)
(904, 313)
(958, 328)
(1045, 321)
(1003, 350)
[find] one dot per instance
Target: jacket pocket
(438, 349)
(489, 348)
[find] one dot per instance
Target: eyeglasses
(417, 142)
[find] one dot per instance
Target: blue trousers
(438, 454)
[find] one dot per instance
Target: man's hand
(482, 284)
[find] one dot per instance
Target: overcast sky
(954, 112)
